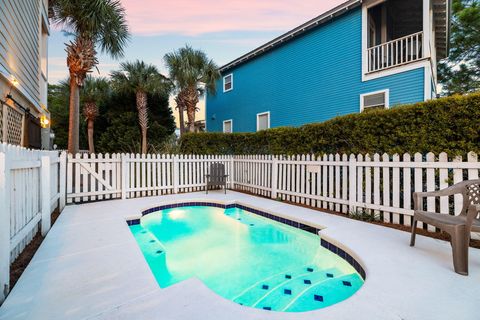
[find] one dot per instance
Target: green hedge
(449, 125)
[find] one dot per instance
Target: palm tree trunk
(142, 117)
(181, 109)
(91, 146)
(144, 141)
(191, 118)
(181, 119)
(191, 101)
(74, 116)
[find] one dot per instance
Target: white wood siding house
(24, 31)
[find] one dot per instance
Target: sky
(224, 30)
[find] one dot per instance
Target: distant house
(359, 55)
(24, 31)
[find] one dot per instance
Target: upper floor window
(374, 100)
(228, 82)
(263, 120)
(228, 126)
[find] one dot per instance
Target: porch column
(427, 27)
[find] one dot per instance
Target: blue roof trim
(292, 34)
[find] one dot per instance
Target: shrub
(123, 135)
(444, 125)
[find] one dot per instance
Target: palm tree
(193, 74)
(93, 91)
(141, 79)
(93, 23)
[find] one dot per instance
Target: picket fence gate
(100, 177)
(32, 186)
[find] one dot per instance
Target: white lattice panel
(1, 122)
(14, 126)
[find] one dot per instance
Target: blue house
(359, 55)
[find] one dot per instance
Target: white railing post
(45, 194)
(274, 177)
(352, 184)
(4, 226)
(62, 176)
(124, 174)
(175, 173)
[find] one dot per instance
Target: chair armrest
(417, 196)
(472, 213)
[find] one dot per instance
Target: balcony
(396, 52)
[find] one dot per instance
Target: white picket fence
(380, 185)
(32, 186)
(99, 177)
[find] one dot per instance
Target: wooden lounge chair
(217, 176)
(459, 227)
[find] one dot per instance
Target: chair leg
(460, 242)
(225, 188)
(206, 189)
(414, 232)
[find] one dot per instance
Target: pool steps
(285, 294)
(277, 294)
(322, 290)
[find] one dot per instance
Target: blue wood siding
(311, 79)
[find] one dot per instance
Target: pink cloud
(194, 17)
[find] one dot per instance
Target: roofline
(324, 17)
(449, 25)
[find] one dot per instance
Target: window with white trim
(374, 100)
(263, 121)
(228, 82)
(228, 126)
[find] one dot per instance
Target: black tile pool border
(324, 243)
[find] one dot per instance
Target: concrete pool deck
(90, 267)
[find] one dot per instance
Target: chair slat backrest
(217, 172)
(471, 194)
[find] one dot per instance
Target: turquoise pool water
(251, 260)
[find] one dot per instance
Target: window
(263, 121)
(228, 82)
(228, 126)
(374, 100)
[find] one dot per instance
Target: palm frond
(191, 68)
(102, 21)
(139, 76)
(95, 89)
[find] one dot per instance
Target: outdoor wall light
(14, 83)
(44, 122)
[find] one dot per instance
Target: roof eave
(327, 16)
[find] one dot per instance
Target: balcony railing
(396, 52)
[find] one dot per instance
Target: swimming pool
(244, 257)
